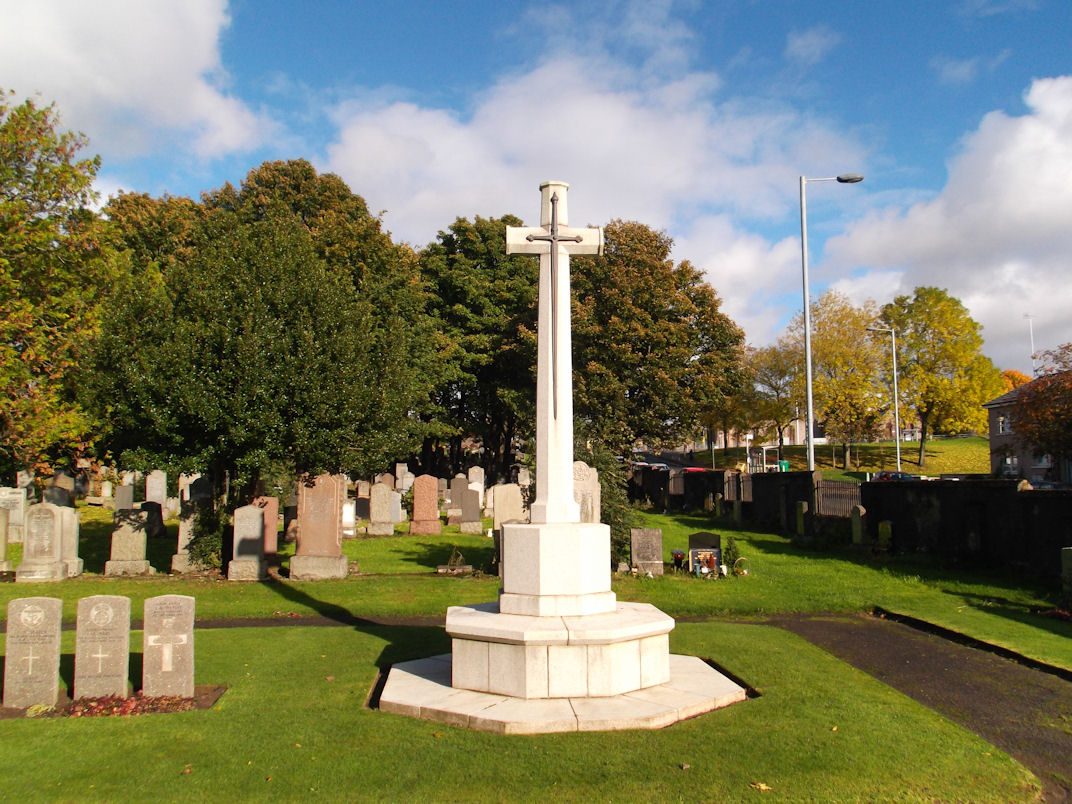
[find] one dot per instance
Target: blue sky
(694, 117)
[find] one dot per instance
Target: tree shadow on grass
(435, 554)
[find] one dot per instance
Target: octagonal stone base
(422, 689)
(597, 655)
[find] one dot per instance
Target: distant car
(885, 477)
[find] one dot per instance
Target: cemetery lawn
(293, 725)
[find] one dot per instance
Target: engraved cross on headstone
(554, 242)
(168, 647)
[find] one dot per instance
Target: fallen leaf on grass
(685, 766)
(760, 786)
(834, 729)
(186, 770)
(329, 678)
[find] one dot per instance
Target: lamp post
(896, 409)
(846, 178)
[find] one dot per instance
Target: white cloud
(810, 46)
(137, 77)
(998, 235)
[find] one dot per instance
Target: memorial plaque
(102, 647)
(32, 660)
(168, 649)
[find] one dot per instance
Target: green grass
(942, 456)
(285, 732)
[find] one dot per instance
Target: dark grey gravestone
(362, 508)
(42, 552)
(646, 546)
(459, 484)
(154, 522)
(128, 544)
(705, 541)
(32, 663)
(102, 647)
(470, 506)
(57, 495)
(168, 647)
(248, 562)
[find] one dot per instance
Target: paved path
(1025, 712)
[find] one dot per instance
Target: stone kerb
(32, 660)
(425, 519)
(128, 544)
(102, 647)
(42, 556)
(247, 562)
(168, 646)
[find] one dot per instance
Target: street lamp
(896, 410)
(845, 178)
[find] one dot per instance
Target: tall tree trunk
(923, 419)
(846, 455)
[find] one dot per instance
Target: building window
(1004, 425)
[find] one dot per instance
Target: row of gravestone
(102, 649)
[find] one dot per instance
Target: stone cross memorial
(102, 647)
(558, 652)
(32, 661)
(168, 648)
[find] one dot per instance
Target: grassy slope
(292, 727)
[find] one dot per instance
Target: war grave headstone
(156, 487)
(124, 497)
(646, 550)
(380, 522)
(586, 491)
(247, 562)
(32, 661)
(128, 544)
(426, 506)
(168, 646)
(5, 564)
(69, 531)
(102, 647)
(14, 500)
(508, 505)
(42, 552)
(319, 550)
(576, 655)
(470, 517)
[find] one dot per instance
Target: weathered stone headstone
(443, 487)
(128, 544)
(586, 491)
(319, 551)
(124, 497)
(380, 522)
(387, 479)
(102, 647)
(646, 549)
(426, 506)
(128, 478)
(168, 647)
(397, 514)
(195, 491)
(14, 500)
(476, 475)
(524, 477)
(470, 517)
(32, 661)
(156, 487)
(400, 471)
(69, 530)
(5, 564)
(106, 489)
(364, 488)
(42, 552)
(406, 483)
(349, 519)
(677, 482)
(859, 524)
(247, 563)
(508, 504)
(458, 485)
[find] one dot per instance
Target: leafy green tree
(776, 371)
(484, 303)
(1043, 413)
(652, 351)
(256, 331)
(944, 377)
(847, 398)
(55, 269)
